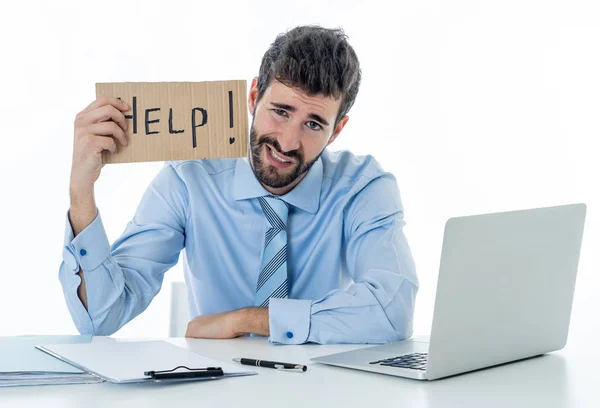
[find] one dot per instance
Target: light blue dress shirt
(351, 273)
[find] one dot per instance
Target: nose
(289, 139)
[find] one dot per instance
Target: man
(294, 242)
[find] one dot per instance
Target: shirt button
(289, 335)
(82, 252)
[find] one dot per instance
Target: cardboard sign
(181, 120)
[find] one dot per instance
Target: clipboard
(123, 362)
(22, 364)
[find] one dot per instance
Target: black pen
(271, 364)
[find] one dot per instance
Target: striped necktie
(272, 280)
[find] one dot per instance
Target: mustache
(273, 142)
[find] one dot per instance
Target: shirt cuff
(87, 250)
(289, 320)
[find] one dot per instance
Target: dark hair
(315, 59)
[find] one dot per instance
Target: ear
(338, 129)
(252, 95)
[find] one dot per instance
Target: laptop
(505, 291)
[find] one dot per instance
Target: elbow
(401, 312)
(99, 326)
(84, 327)
(404, 332)
(399, 330)
(104, 328)
(103, 332)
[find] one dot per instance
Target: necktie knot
(275, 210)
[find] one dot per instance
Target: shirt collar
(306, 195)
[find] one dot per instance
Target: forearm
(106, 298)
(228, 325)
(83, 208)
(253, 320)
(82, 213)
(364, 313)
(120, 279)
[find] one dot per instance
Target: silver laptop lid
(505, 287)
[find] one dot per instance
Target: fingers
(97, 128)
(105, 143)
(104, 130)
(102, 114)
(93, 144)
(103, 101)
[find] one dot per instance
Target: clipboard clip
(187, 373)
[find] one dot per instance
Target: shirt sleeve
(379, 306)
(122, 279)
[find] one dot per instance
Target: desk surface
(567, 378)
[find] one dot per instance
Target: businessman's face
(289, 131)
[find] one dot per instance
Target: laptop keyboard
(414, 361)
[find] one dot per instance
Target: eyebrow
(293, 109)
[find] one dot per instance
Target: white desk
(567, 378)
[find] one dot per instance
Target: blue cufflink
(289, 335)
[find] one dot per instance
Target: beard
(268, 174)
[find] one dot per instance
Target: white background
(475, 106)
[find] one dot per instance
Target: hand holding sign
(135, 122)
(181, 120)
(98, 128)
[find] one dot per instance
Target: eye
(280, 112)
(313, 125)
